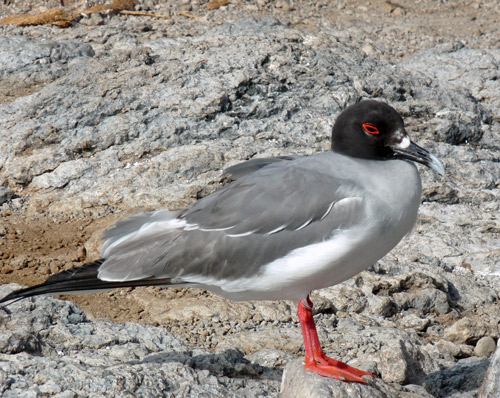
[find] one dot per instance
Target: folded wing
(232, 233)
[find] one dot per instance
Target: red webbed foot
(316, 360)
(329, 367)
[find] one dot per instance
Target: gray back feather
(242, 169)
(281, 204)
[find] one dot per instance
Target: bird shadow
(230, 363)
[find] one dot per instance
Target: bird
(280, 229)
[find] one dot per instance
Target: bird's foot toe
(329, 367)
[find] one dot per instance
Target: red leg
(316, 360)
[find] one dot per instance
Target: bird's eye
(370, 129)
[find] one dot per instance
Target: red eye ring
(370, 129)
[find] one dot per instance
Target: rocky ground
(117, 114)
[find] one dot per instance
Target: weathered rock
(445, 346)
(229, 108)
(485, 346)
(466, 330)
(423, 300)
(6, 195)
(460, 381)
(28, 63)
(119, 113)
(412, 321)
(48, 346)
(491, 383)
(460, 66)
(298, 383)
(403, 362)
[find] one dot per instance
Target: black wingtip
(74, 279)
(7, 298)
(22, 293)
(12, 297)
(77, 280)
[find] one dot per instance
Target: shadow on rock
(463, 377)
(229, 363)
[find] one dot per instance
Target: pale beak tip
(436, 165)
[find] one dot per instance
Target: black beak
(420, 155)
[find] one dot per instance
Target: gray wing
(242, 169)
(281, 195)
(233, 232)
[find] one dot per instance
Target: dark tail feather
(78, 279)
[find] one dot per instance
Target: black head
(374, 130)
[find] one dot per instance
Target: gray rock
(139, 114)
(445, 346)
(5, 195)
(153, 137)
(413, 321)
(463, 380)
(24, 58)
(423, 300)
(460, 66)
(465, 330)
(485, 346)
(491, 383)
(298, 383)
(49, 347)
(403, 362)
